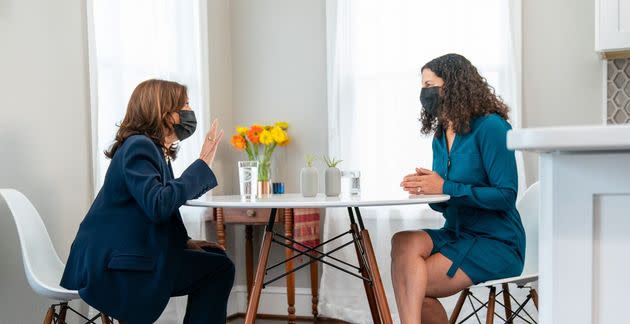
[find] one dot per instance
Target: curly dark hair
(465, 95)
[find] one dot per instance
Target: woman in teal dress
(482, 238)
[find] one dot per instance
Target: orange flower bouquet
(259, 142)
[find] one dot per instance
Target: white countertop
(571, 138)
(320, 201)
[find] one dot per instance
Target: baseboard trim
(286, 318)
(273, 301)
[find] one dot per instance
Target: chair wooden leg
(458, 307)
(62, 313)
(491, 303)
(534, 294)
(105, 319)
(314, 289)
(369, 289)
(507, 303)
(49, 315)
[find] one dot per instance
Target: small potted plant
(333, 177)
(308, 178)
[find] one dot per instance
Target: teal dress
(483, 234)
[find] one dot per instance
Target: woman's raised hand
(211, 143)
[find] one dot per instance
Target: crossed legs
(419, 278)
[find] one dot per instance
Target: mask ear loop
(168, 120)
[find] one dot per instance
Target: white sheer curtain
(375, 50)
(132, 41)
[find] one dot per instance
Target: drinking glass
(248, 179)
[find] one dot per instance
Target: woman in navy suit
(483, 238)
(132, 252)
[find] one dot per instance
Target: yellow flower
(268, 127)
(265, 137)
(287, 141)
(241, 130)
(283, 125)
(278, 134)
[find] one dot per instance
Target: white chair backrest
(529, 208)
(41, 263)
(520, 171)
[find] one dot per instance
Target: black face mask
(430, 100)
(187, 124)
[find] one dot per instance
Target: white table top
(571, 138)
(320, 201)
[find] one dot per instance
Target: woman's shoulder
(491, 123)
(140, 144)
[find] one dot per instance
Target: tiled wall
(618, 91)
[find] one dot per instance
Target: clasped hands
(423, 182)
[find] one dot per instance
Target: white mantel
(584, 248)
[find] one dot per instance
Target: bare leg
(416, 275)
(409, 272)
(433, 312)
(440, 285)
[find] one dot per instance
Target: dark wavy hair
(465, 95)
(149, 113)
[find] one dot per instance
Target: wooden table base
(221, 219)
(368, 267)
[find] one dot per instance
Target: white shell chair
(528, 206)
(41, 263)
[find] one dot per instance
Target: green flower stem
(248, 149)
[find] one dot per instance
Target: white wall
(44, 133)
(278, 73)
(562, 74)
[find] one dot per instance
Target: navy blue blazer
(125, 255)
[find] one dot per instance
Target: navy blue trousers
(207, 278)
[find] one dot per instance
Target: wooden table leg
(314, 288)
(220, 227)
(379, 290)
(507, 303)
(252, 307)
(369, 288)
(288, 232)
(249, 258)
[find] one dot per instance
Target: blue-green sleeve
(500, 166)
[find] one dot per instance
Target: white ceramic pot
(333, 182)
(308, 182)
